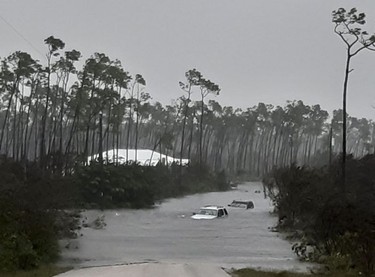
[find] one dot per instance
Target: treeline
(333, 223)
(58, 115)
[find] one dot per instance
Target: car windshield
(207, 212)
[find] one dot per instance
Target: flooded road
(168, 234)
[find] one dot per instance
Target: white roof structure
(144, 157)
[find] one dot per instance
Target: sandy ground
(149, 270)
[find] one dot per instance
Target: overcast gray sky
(266, 51)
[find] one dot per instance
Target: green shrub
(28, 234)
(337, 219)
(27, 238)
(113, 186)
(17, 252)
(135, 186)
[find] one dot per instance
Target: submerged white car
(210, 212)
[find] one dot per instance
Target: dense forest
(58, 115)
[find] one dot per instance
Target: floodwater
(168, 234)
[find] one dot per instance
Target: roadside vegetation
(42, 271)
(331, 222)
(135, 186)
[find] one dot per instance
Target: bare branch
(351, 32)
(365, 46)
(341, 35)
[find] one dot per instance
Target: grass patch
(247, 272)
(43, 271)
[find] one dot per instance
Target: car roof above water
(212, 207)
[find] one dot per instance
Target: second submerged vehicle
(242, 204)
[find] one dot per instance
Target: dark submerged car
(242, 204)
